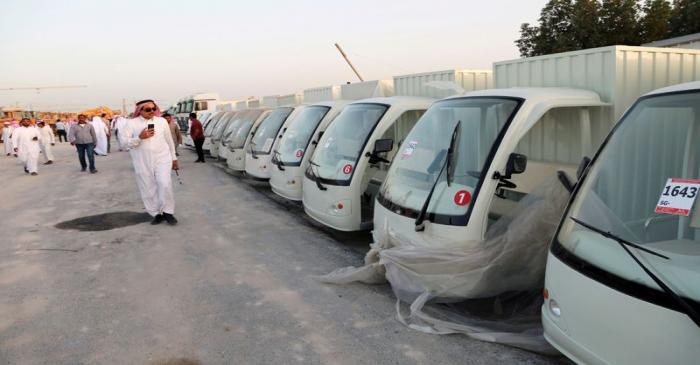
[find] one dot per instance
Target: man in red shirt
(197, 134)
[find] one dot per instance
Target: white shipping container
(619, 74)
(253, 103)
(367, 89)
(441, 84)
(290, 99)
(319, 94)
(226, 105)
(687, 41)
(269, 101)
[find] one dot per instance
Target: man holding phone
(152, 151)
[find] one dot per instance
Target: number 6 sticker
(347, 169)
(678, 197)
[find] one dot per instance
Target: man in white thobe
(101, 133)
(119, 123)
(47, 140)
(150, 144)
(25, 141)
(7, 137)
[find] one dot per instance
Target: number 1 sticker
(462, 198)
(678, 197)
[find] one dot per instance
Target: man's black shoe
(49, 162)
(26, 171)
(157, 219)
(170, 219)
(83, 169)
(93, 171)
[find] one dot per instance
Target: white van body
(600, 306)
(291, 156)
(333, 193)
(238, 141)
(258, 153)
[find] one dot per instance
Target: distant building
(687, 41)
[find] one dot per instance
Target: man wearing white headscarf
(101, 133)
(47, 140)
(7, 137)
(150, 144)
(26, 141)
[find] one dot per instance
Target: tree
(553, 33)
(685, 17)
(619, 20)
(654, 24)
(526, 43)
(585, 24)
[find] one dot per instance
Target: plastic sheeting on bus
(489, 290)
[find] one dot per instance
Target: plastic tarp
(490, 290)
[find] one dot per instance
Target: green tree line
(568, 25)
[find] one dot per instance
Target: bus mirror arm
(583, 165)
(517, 163)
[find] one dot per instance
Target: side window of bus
(200, 105)
(398, 132)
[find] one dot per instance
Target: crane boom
(342, 53)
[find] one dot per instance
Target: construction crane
(39, 88)
(342, 53)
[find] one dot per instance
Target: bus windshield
(266, 133)
(339, 149)
(475, 124)
(297, 137)
(643, 188)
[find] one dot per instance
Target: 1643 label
(678, 197)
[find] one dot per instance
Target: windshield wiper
(419, 223)
(316, 178)
(687, 309)
(276, 160)
(252, 151)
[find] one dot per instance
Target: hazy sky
(166, 49)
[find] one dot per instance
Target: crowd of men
(151, 140)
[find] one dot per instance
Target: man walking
(82, 136)
(26, 141)
(7, 137)
(47, 140)
(152, 151)
(175, 131)
(61, 131)
(197, 134)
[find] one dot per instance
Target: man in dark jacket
(197, 134)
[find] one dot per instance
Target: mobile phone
(151, 126)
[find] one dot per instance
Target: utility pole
(342, 53)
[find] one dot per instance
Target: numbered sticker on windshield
(408, 152)
(299, 153)
(678, 197)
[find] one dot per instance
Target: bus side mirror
(383, 145)
(517, 163)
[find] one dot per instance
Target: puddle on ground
(105, 222)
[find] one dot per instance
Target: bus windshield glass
(643, 187)
(339, 149)
(293, 144)
(474, 124)
(266, 133)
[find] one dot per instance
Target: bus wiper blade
(613, 237)
(450, 152)
(687, 309)
(419, 223)
(276, 160)
(316, 178)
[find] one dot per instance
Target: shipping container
(441, 84)
(290, 99)
(319, 94)
(360, 90)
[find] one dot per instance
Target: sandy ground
(231, 284)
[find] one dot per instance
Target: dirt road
(231, 284)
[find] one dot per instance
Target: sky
(137, 49)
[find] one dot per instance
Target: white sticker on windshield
(678, 197)
(268, 144)
(328, 142)
(408, 152)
